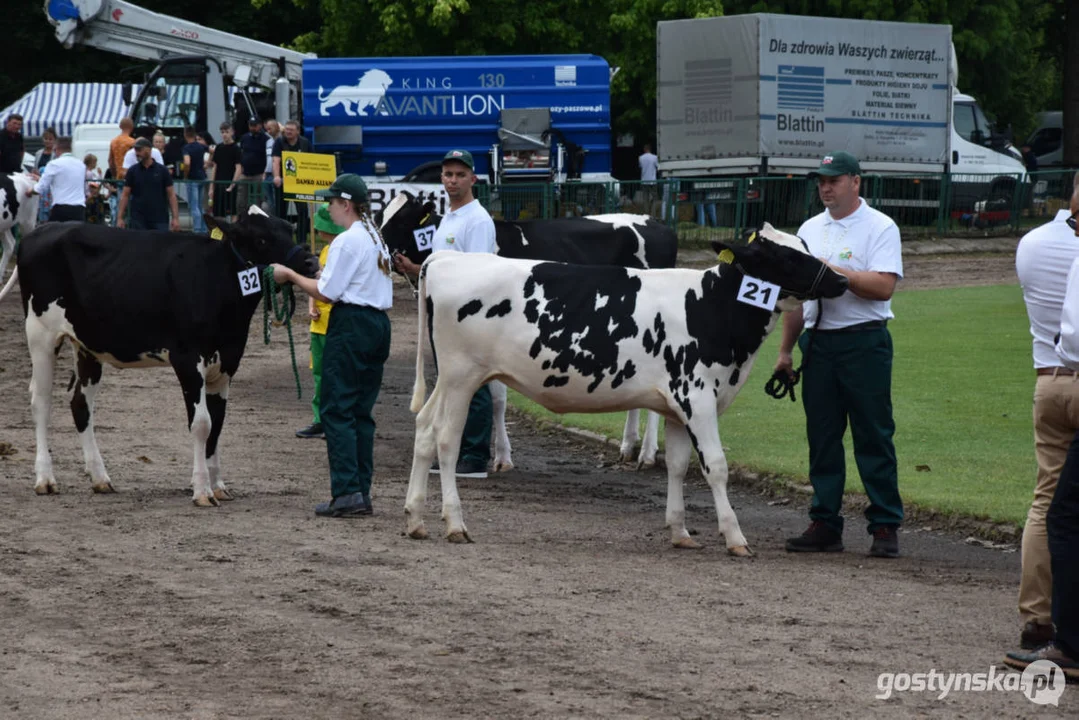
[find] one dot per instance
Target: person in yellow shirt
(325, 231)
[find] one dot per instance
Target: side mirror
(125, 92)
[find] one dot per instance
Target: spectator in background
(1029, 158)
(648, 164)
(11, 145)
(195, 174)
(64, 179)
(43, 157)
(270, 195)
(119, 146)
(131, 158)
(290, 141)
(250, 173)
(149, 190)
(226, 158)
(97, 192)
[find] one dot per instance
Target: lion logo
(365, 95)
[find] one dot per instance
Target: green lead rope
(282, 312)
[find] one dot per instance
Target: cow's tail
(419, 389)
(10, 283)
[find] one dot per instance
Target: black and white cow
(634, 241)
(15, 209)
(591, 339)
(133, 298)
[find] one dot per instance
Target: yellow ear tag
(216, 234)
(751, 238)
(726, 256)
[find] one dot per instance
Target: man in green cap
(847, 356)
(467, 228)
(356, 280)
(325, 231)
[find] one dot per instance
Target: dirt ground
(571, 603)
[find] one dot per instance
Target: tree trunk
(1071, 83)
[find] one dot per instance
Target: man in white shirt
(65, 178)
(130, 158)
(847, 362)
(466, 228)
(1042, 261)
(648, 163)
(1062, 516)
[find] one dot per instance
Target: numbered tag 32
(758, 293)
(249, 281)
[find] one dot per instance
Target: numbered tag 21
(758, 293)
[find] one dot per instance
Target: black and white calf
(15, 209)
(634, 241)
(602, 339)
(131, 299)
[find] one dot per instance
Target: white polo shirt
(865, 240)
(357, 270)
(65, 177)
(468, 229)
(1042, 261)
(130, 159)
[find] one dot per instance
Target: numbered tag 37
(424, 236)
(758, 293)
(249, 281)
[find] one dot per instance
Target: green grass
(962, 391)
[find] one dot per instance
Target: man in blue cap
(467, 228)
(847, 358)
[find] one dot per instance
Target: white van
(94, 138)
(1047, 141)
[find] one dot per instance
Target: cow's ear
(724, 253)
(429, 207)
(219, 228)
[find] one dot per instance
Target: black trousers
(1062, 526)
(63, 213)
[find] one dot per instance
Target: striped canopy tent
(67, 105)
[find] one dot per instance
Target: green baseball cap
(839, 163)
(347, 186)
(461, 156)
(324, 223)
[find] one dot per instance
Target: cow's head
(261, 240)
(408, 226)
(784, 260)
(26, 217)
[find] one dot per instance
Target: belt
(869, 325)
(1054, 371)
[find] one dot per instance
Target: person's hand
(277, 181)
(404, 265)
(174, 224)
(120, 223)
(281, 274)
(30, 192)
(785, 363)
(313, 312)
(229, 188)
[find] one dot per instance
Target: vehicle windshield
(171, 102)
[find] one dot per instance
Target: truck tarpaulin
(786, 86)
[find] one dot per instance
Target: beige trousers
(1056, 420)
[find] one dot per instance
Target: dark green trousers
(357, 345)
(849, 378)
(476, 439)
(318, 349)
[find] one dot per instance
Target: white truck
(765, 95)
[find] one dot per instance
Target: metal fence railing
(722, 208)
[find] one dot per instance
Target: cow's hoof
(459, 537)
(418, 533)
(646, 464)
(205, 501)
(740, 551)
(103, 488)
(47, 489)
(503, 466)
(686, 543)
(223, 494)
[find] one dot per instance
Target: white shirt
(130, 159)
(269, 153)
(65, 177)
(1067, 346)
(867, 240)
(357, 269)
(649, 164)
(1042, 260)
(468, 229)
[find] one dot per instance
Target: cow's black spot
(469, 308)
(502, 308)
(562, 304)
(534, 351)
(627, 371)
(10, 209)
(555, 380)
(696, 447)
(546, 364)
(735, 374)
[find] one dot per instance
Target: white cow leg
(679, 450)
(650, 443)
(85, 384)
(630, 435)
(192, 375)
(452, 413)
(217, 395)
(423, 454)
(43, 347)
(705, 436)
(7, 242)
(503, 461)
